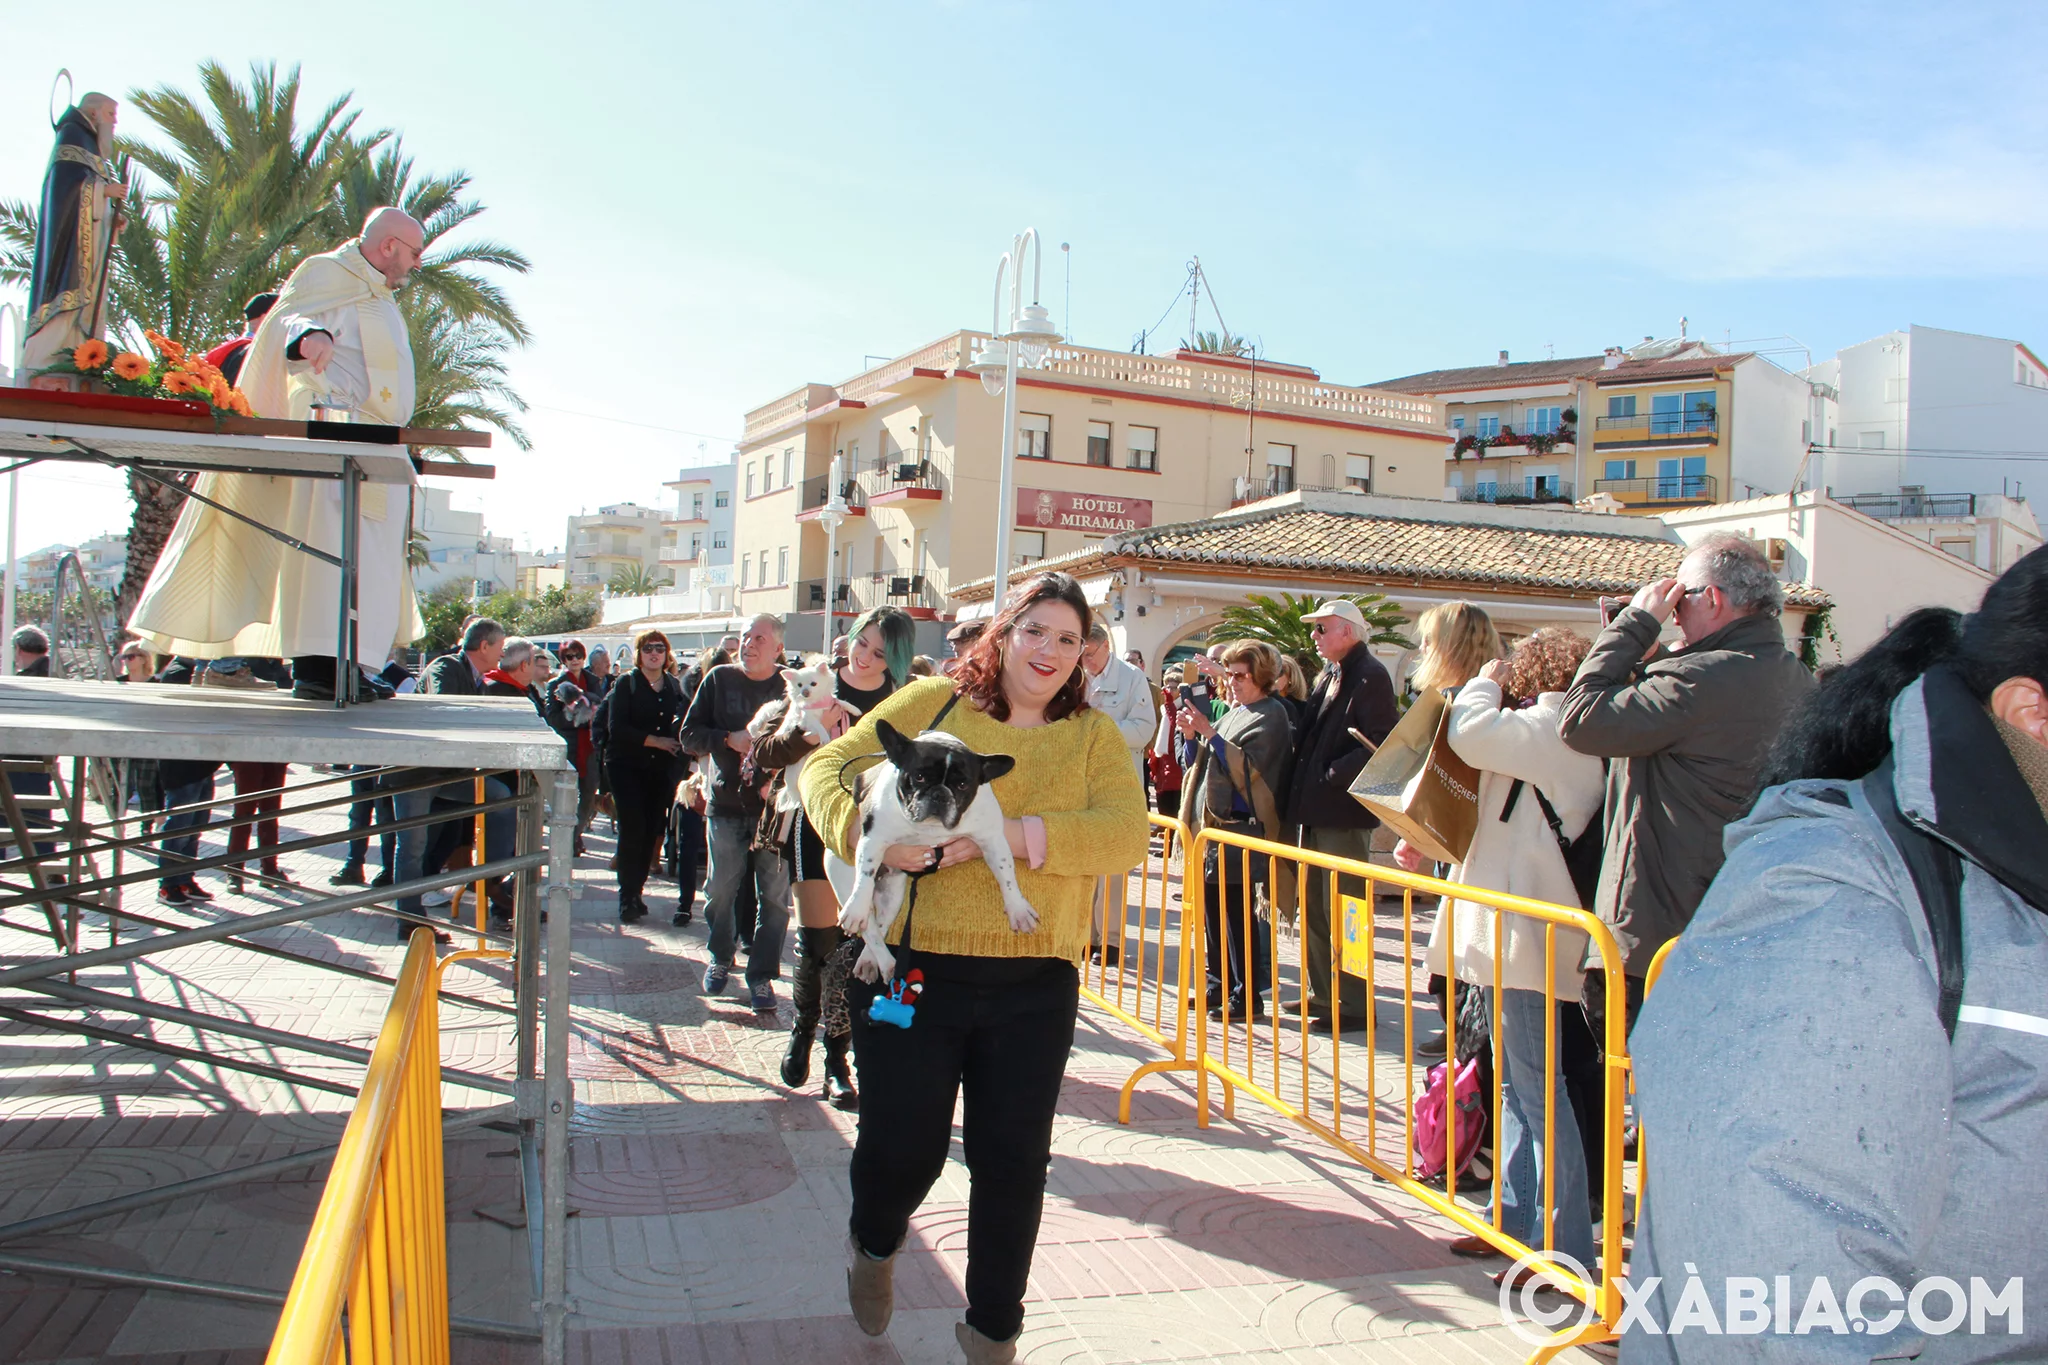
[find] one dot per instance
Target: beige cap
(1344, 611)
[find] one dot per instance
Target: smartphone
(1610, 607)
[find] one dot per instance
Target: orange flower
(219, 390)
(165, 347)
(177, 383)
(129, 365)
(89, 355)
(239, 403)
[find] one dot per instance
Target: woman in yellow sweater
(995, 1015)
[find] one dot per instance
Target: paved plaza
(709, 1204)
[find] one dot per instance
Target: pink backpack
(1430, 1119)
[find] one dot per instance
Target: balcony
(913, 592)
(810, 595)
(1657, 429)
(1675, 490)
(909, 486)
(1243, 490)
(1513, 495)
(1906, 506)
(816, 492)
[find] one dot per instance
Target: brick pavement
(711, 1204)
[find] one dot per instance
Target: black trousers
(1225, 901)
(641, 797)
(997, 1031)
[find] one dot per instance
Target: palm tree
(459, 372)
(1279, 622)
(635, 582)
(1225, 342)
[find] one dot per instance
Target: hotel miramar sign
(1042, 509)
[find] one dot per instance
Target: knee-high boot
(815, 946)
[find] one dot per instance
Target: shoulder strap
(1507, 807)
(1937, 871)
(944, 711)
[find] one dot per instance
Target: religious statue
(74, 239)
(222, 588)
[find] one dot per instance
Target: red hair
(979, 676)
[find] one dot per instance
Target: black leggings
(640, 799)
(998, 1029)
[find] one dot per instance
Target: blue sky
(723, 202)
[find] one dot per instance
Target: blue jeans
(500, 827)
(369, 805)
(1520, 1141)
(732, 861)
(182, 847)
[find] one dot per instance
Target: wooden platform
(116, 720)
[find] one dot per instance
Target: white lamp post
(833, 513)
(1024, 339)
(14, 376)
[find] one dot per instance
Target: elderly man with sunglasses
(1686, 731)
(1353, 695)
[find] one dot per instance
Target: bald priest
(223, 588)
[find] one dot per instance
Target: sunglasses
(654, 649)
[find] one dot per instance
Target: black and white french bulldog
(931, 790)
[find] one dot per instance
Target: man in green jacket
(1686, 732)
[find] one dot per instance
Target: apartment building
(697, 539)
(1666, 424)
(1105, 442)
(623, 538)
(1934, 409)
(458, 547)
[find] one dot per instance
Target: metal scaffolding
(67, 864)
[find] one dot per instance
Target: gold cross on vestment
(384, 394)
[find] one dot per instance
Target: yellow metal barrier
(372, 1282)
(1281, 1071)
(1131, 982)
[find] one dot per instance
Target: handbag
(1418, 786)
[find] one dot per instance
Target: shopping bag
(1418, 787)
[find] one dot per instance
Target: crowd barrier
(372, 1282)
(1305, 1075)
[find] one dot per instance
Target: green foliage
(1218, 343)
(560, 610)
(635, 582)
(1819, 626)
(1279, 622)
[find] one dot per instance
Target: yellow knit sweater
(1075, 774)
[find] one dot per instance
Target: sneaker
(171, 895)
(382, 878)
(436, 899)
(194, 891)
(763, 993)
(715, 977)
(351, 874)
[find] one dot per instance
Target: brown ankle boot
(870, 1288)
(980, 1350)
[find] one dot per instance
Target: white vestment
(222, 588)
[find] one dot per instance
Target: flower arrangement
(174, 373)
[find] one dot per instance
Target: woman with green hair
(879, 649)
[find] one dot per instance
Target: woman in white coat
(1505, 723)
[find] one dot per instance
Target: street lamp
(16, 377)
(1026, 339)
(829, 516)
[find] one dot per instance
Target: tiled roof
(1493, 376)
(1376, 548)
(1690, 367)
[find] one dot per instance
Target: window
(1620, 469)
(1682, 478)
(1458, 425)
(1098, 444)
(788, 457)
(696, 506)
(1034, 436)
(718, 540)
(1143, 444)
(782, 566)
(763, 579)
(745, 565)
(696, 543)
(1623, 406)
(1699, 410)
(1026, 547)
(1542, 421)
(1358, 472)
(853, 458)
(767, 473)
(1539, 485)
(750, 478)
(1870, 440)
(1489, 427)
(1279, 468)
(1965, 550)
(721, 499)
(1666, 413)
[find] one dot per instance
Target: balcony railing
(1664, 488)
(1914, 506)
(1245, 490)
(816, 492)
(810, 595)
(1658, 425)
(906, 470)
(1508, 495)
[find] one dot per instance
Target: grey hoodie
(1804, 1113)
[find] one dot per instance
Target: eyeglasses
(654, 649)
(1034, 636)
(1240, 674)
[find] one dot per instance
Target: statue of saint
(222, 588)
(74, 236)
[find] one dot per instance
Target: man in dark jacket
(462, 674)
(1687, 731)
(1353, 692)
(716, 730)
